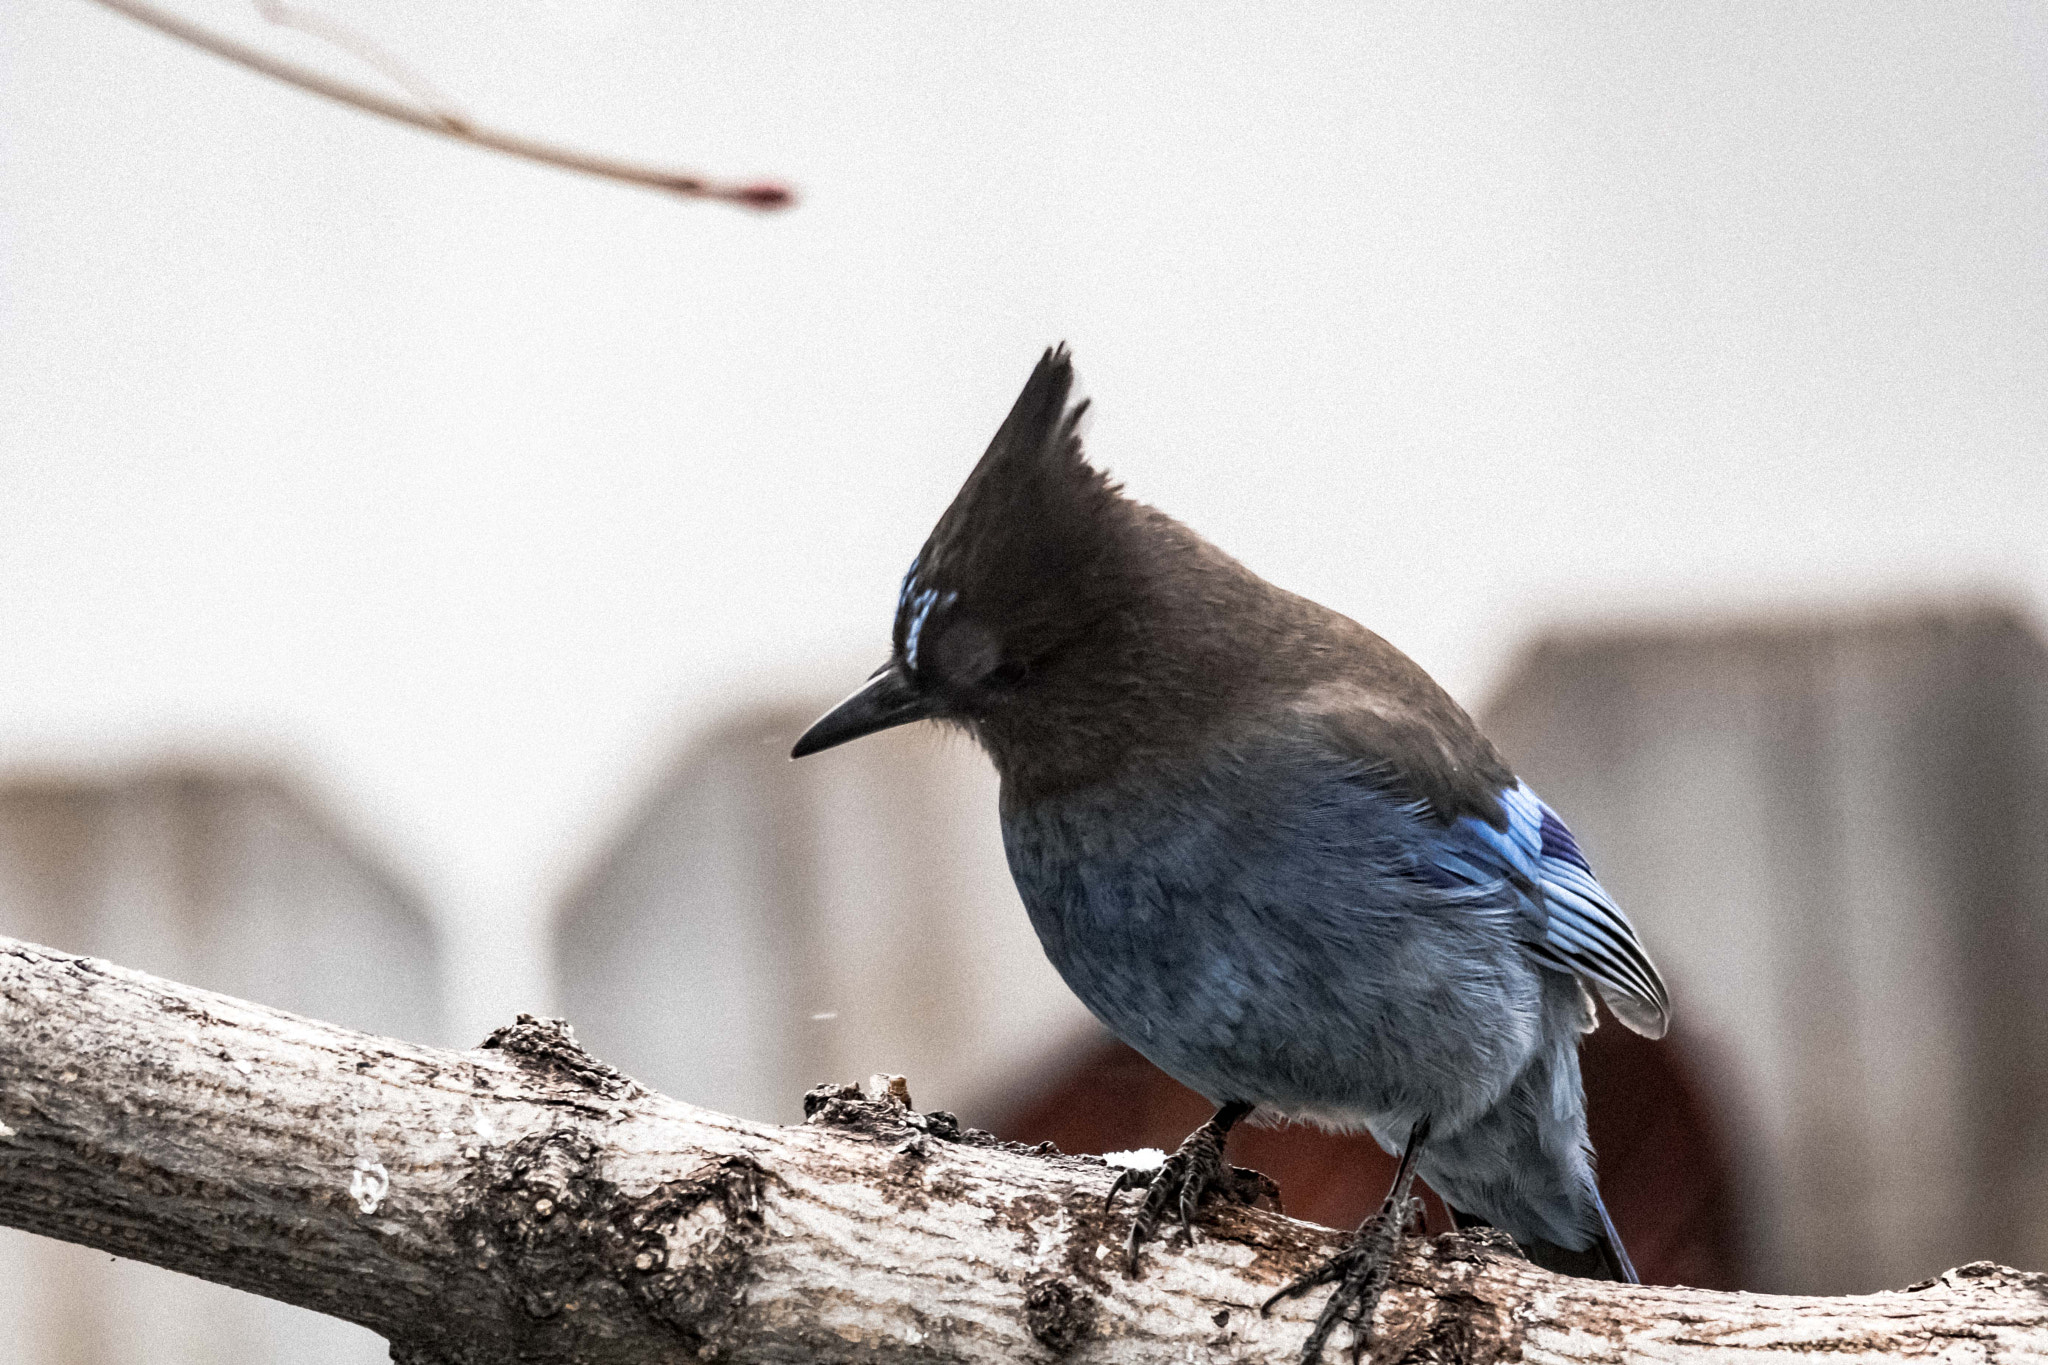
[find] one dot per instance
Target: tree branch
(524, 1202)
(754, 195)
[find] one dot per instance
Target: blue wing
(1582, 930)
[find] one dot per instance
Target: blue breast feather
(1582, 930)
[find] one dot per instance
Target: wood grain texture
(523, 1202)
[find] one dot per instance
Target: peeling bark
(523, 1202)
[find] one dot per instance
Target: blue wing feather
(1580, 928)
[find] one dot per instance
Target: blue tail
(1615, 1254)
(1606, 1259)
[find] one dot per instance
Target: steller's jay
(1268, 851)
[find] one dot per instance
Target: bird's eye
(1008, 673)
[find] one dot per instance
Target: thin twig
(368, 51)
(755, 195)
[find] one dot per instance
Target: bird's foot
(1361, 1272)
(1181, 1184)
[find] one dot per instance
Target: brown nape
(1124, 639)
(1174, 643)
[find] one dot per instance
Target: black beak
(887, 699)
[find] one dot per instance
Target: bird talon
(1177, 1187)
(1190, 1198)
(1131, 1247)
(1129, 1178)
(1361, 1272)
(1362, 1269)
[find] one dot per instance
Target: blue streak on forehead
(915, 602)
(921, 604)
(914, 606)
(903, 594)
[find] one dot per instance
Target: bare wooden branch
(751, 194)
(524, 1202)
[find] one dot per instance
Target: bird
(1267, 851)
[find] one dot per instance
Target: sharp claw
(1134, 1244)
(1177, 1187)
(1362, 1272)
(1321, 1275)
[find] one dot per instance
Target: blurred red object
(1664, 1169)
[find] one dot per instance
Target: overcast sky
(470, 488)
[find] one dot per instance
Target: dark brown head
(1031, 592)
(1076, 634)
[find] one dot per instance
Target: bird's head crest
(1025, 591)
(1024, 556)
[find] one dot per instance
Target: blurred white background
(394, 532)
(472, 488)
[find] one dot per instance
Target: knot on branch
(1987, 1277)
(550, 1047)
(1059, 1313)
(568, 1243)
(884, 1111)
